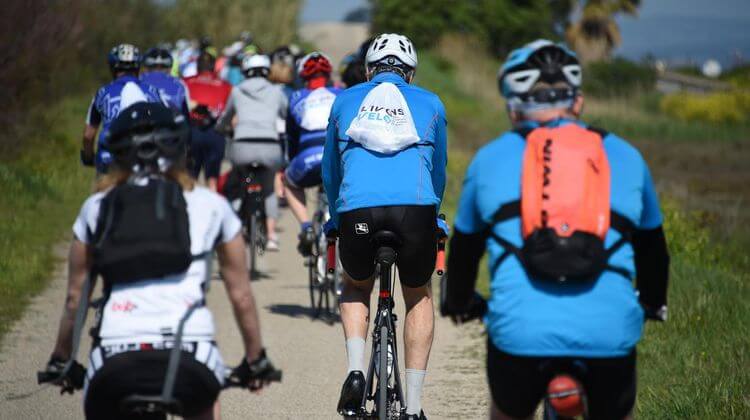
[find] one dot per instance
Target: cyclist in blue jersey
(384, 169)
(306, 124)
(125, 90)
(532, 321)
(157, 64)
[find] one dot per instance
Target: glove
(87, 159)
(329, 228)
(260, 369)
(443, 227)
(655, 314)
(69, 381)
(476, 309)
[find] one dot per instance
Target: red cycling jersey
(209, 90)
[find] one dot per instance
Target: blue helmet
(539, 61)
(124, 57)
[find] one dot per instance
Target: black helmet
(145, 132)
(157, 57)
(124, 57)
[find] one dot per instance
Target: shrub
(618, 77)
(717, 108)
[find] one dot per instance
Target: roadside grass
(696, 364)
(42, 187)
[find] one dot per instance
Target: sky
(676, 30)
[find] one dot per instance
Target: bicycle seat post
(385, 257)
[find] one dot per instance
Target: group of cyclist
(567, 213)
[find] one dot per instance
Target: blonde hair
(281, 73)
(118, 176)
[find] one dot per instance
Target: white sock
(355, 354)
(414, 381)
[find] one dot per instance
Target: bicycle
(324, 283)
(383, 380)
(253, 213)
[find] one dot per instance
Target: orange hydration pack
(565, 206)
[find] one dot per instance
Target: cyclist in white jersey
(138, 319)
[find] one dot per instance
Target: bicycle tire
(253, 244)
(382, 403)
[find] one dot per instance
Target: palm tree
(596, 34)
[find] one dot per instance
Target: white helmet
(396, 45)
(256, 61)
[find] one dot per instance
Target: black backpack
(142, 232)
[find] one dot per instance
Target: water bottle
(390, 360)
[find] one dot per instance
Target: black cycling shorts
(142, 372)
(518, 383)
(415, 226)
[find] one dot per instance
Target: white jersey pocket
(316, 108)
(384, 123)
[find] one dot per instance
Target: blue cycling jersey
(171, 90)
(107, 103)
(307, 119)
(355, 177)
(532, 318)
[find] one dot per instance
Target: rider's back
(171, 89)
(116, 95)
(258, 104)
(145, 310)
(536, 318)
(412, 176)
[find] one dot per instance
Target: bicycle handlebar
(331, 255)
(440, 259)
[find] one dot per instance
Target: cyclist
(384, 169)
(208, 97)
(352, 67)
(125, 89)
(306, 122)
(595, 317)
(138, 318)
(157, 63)
(257, 104)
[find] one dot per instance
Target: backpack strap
(507, 211)
(597, 130)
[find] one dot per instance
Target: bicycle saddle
(148, 404)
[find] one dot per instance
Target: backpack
(564, 207)
(142, 232)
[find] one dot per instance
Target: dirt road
(310, 352)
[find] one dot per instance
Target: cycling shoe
(351, 394)
(306, 238)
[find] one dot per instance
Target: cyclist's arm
(79, 264)
(93, 119)
(234, 272)
(225, 120)
(331, 169)
(651, 253)
(440, 154)
(467, 245)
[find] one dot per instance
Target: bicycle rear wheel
(382, 403)
(253, 238)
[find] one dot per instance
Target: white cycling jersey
(149, 311)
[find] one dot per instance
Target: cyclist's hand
(70, 381)
(655, 314)
(476, 309)
(87, 157)
(443, 229)
(258, 373)
(329, 228)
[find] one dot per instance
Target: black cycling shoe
(414, 416)
(306, 239)
(351, 394)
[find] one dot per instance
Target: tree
(596, 34)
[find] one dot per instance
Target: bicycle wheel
(382, 403)
(253, 243)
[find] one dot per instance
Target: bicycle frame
(385, 323)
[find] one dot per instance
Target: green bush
(618, 77)
(717, 108)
